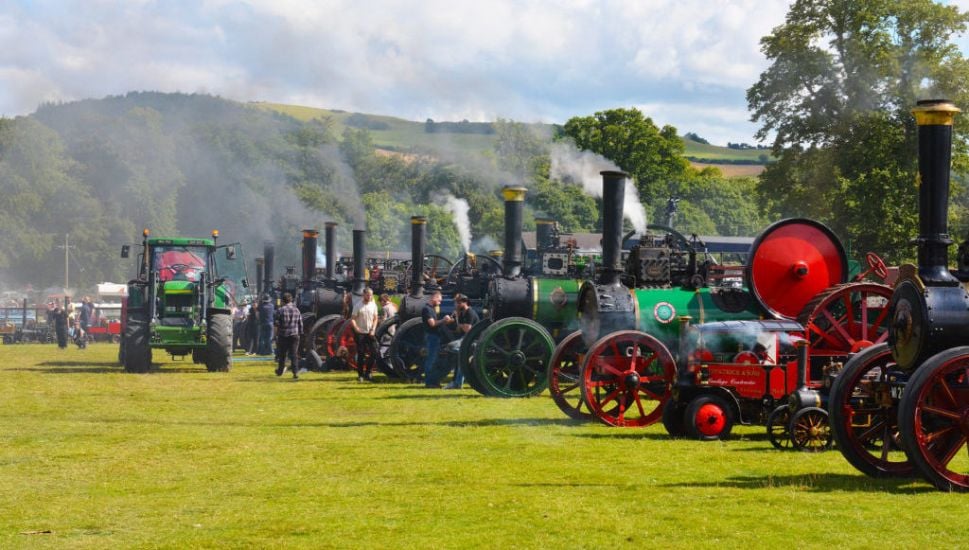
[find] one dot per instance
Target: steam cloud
(571, 164)
(459, 210)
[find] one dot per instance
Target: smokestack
(260, 271)
(514, 208)
(934, 118)
(329, 240)
(269, 254)
(359, 257)
(310, 238)
(418, 244)
(613, 196)
(544, 229)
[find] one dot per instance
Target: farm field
(91, 457)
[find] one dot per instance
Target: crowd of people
(70, 323)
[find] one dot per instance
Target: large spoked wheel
(385, 337)
(218, 343)
(408, 350)
(778, 424)
(137, 351)
(344, 338)
(627, 378)
(864, 415)
(709, 417)
(565, 377)
(934, 419)
(810, 430)
(512, 357)
(847, 318)
(466, 354)
(318, 334)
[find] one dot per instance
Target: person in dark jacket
(433, 327)
(289, 328)
(266, 316)
(60, 325)
(252, 330)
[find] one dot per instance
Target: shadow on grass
(97, 367)
(621, 433)
(820, 483)
(489, 422)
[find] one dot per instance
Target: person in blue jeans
(266, 317)
(432, 331)
(464, 318)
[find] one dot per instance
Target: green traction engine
(181, 301)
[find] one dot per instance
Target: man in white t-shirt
(364, 322)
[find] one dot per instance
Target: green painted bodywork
(658, 311)
(555, 304)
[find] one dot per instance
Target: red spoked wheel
(346, 338)
(627, 378)
(709, 417)
(565, 376)
(847, 318)
(864, 415)
(318, 334)
(934, 419)
(337, 346)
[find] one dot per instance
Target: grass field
(91, 457)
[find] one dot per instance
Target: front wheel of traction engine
(708, 418)
(218, 343)
(137, 351)
(933, 418)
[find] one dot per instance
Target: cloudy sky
(683, 62)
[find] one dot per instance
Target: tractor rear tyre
(708, 418)
(218, 346)
(137, 352)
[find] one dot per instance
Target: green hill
(398, 134)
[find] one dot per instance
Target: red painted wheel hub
(791, 262)
(710, 419)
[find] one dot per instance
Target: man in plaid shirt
(289, 328)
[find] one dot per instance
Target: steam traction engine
(622, 368)
(903, 406)
(507, 355)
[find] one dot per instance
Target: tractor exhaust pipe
(514, 254)
(359, 261)
(310, 238)
(418, 245)
(329, 238)
(934, 118)
(269, 253)
(259, 275)
(613, 197)
(545, 234)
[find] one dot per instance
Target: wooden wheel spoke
(932, 437)
(569, 388)
(651, 394)
(838, 326)
(824, 336)
(639, 404)
(945, 413)
(953, 449)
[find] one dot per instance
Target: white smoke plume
(571, 164)
(459, 211)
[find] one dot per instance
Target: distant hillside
(397, 134)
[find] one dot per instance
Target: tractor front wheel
(810, 430)
(708, 418)
(137, 351)
(218, 343)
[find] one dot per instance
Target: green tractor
(181, 301)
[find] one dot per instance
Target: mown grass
(185, 458)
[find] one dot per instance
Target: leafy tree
(836, 98)
(652, 155)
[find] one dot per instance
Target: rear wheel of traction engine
(847, 318)
(778, 424)
(708, 418)
(317, 336)
(627, 378)
(385, 336)
(673, 418)
(137, 352)
(565, 377)
(810, 430)
(218, 343)
(408, 350)
(512, 357)
(864, 415)
(933, 418)
(466, 355)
